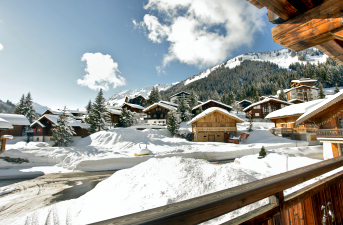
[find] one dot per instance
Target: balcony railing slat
(203, 208)
(330, 133)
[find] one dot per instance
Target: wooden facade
(259, 110)
(158, 113)
(213, 126)
(137, 100)
(177, 97)
(307, 23)
(133, 108)
(209, 104)
(18, 130)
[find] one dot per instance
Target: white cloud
(102, 71)
(1, 47)
(160, 70)
(201, 32)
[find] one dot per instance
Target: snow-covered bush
(62, 132)
(173, 122)
(262, 153)
(126, 119)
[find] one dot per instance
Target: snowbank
(158, 182)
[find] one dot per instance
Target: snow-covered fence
(301, 207)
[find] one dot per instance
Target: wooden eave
(307, 23)
(281, 117)
(156, 107)
(232, 117)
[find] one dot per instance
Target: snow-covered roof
(219, 103)
(133, 105)
(244, 101)
(76, 111)
(328, 101)
(287, 90)
(4, 124)
(53, 118)
(39, 123)
(295, 109)
(266, 100)
(114, 107)
(304, 80)
(160, 104)
(180, 93)
(15, 119)
(293, 100)
(114, 111)
(211, 110)
(170, 103)
(57, 112)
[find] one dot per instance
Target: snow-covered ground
(162, 181)
(115, 149)
(331, 90)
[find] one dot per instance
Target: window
(340, 122)
(257, 114)
(35, 130)
(49, 122)
(161, 115)
(38, 139)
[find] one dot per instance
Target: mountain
(282, 57)
(119, 97)
(39, 108)
(6, 107)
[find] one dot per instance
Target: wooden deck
(285, 130)
(301, 207)
(330, 133)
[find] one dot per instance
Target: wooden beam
(256, 3)
(282, 8)
(311, 28)
(334, 49)
(338, 35)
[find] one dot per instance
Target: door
(211, 138)
(335, 150)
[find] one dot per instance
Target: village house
(133, 107)
(244, 103)
(212, 124)
(177, 97)
(285, 118)
(209, 104)
(259, 110)
(303, 92)
(114, 113)
(4, 126)
(42, 128)
(303, 81)
(57, 112)
(157, 113)
(137, 100)
(327, 116)
(77, 114)
(19, 122)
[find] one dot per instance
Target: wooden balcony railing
(213, 129)
(284, 130)
(301, 207)
(330, 133)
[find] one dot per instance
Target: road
(33, 194)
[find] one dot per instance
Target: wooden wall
(16, 131)
(287, 121)
(132, 109)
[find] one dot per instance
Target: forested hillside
(252, 79)
(6, 107)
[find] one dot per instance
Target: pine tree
(89, 106)
(126, 118)
(98, 117)
(62, 132)
(154, 96)
(282, 95)
(236, 107)
(173, 122)
(19, 108)
(336, 89)
(250, 124)
(262, 153)
(215, 96)
(28, 109)
(192, 100)
(183, 110)
(321, 91)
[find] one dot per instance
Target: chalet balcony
(330, 133)
(215, 129)
(284, 130)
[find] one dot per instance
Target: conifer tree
(126, 118)
(62, 132)
(321, 91)
(98, 117)
(19, 108)
(262, 153)
(183, 110)
(336, 89)
(282, 95)
(89, 106)
(28, 109)
(173, 122)
(192, 100)
(215, 96)
(154, 96)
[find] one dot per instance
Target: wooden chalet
(302, 92)
(285, 118)
(244, 103)
(42, 128)
(19, 122)
(137, 100)
(209, 104)
(259, 110)
(133, 107)
(212, 124)
(303, 81)
(328, 118)
(114, 113)
(157, 113)
(4, 126)
(178, 96)
(57, 112)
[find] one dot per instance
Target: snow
(219, 103)
(201, 75)
(162, 181)
(72, 122)
(4, 124)
(331, 90)
(57, 112)
(296, 109)
(322, 105)
(266, 100)
(213, 109)
(167, 106)
(114, 111)
(287, 90)
(303, 80)
(134, 106)
(15, 119)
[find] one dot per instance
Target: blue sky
(47, 45)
